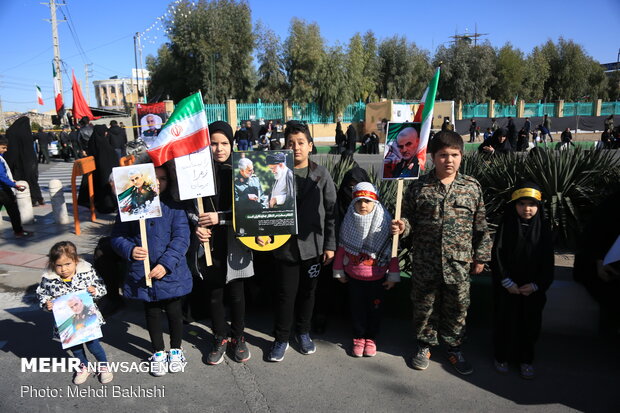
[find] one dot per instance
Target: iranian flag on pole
(425, 115)
(186, 131)
(60, 106)
(39, 96)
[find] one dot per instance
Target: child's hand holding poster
(76, 317)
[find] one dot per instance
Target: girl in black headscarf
(232, 261)
(498, 143)
(522, 265)
(22, 158)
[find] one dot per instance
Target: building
(120, 93)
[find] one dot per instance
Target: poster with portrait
(151, 117)
(137, 192)
(194, 173)
(264, 193)
(75, 315)
(401, 148)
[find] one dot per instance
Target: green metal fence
(538, 109)
(610, 108)
(503, 111)
(475, 110)
(578, 108)
(216, 112)
(310, 113)
(259, 110)
(355, 112)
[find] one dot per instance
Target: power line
(27, 61)
(73, 32)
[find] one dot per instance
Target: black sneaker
(456, 358)
(421, 359)
(240, 350)
(216, 356)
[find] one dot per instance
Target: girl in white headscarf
(363, 260)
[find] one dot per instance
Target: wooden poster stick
(145, 245)
(205, 245)
(399, 201)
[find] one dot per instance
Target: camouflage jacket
(446, 227)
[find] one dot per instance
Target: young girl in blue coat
(168, 241)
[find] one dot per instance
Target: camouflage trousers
(439, 309)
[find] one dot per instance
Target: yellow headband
(526, 193)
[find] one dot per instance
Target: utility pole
(56, 43)
(86, 73)
(137, 50)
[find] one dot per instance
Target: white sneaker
(105, 375)
(159, 362)
(81, 375)
(176, 358)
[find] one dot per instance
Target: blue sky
(105, 29)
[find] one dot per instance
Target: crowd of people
(344, 234)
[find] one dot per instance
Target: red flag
(80, 107)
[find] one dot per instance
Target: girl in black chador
(522, 267)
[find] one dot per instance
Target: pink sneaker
(358, 347)
(370, 348)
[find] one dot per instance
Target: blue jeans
(94, 347)
(243, 145)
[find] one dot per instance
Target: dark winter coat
(118, 137)
(168, 240)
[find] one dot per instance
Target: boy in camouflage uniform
(444, 212)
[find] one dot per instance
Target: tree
(209, 50)
(333, 83)
(272, 86)
(303, 56)
(404, 69)
(511, 72)
(573, 74)
(536, 75)
(356, 62)
(372, 66)
(467, 71)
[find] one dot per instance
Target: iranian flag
(60, 106)
(425, 115)
(39, 96)
(186, 131)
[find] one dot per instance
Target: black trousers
(366, 302)
(517, 322)
(153, 310)
(8, 201)
(295, 287)
(236, 296)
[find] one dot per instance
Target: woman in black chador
(522, 267)
(105, 159)
(22, 158)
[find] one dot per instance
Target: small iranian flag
(39, 96)
(186, 131)
(425, 115)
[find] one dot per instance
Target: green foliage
(210, 49)
(404, 69)
(332, 87)
(304, 52)
(572, 183)
(272, 86)
(573, 74)
(467, 71)
(511, 71)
